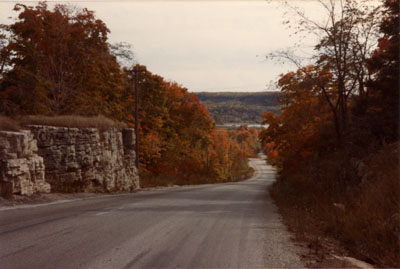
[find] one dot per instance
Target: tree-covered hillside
(239, 107)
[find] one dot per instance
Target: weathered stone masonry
(71, 159)
(21, 168)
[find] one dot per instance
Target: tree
(175, 128)
(297, 132)
(346, 39)
(383, 87)
(58, 62)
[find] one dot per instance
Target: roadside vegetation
(224, 159)
(58, 68)
(335, 142)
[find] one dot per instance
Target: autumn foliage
(336, 139)
(300, 127)
(59, 62)
(179, 143)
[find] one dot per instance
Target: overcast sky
(202, 45)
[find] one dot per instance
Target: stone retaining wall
(70, 159)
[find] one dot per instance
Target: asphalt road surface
(233, 225)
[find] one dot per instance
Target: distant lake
(237, 125)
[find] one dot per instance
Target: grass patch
(7, 124)
(73, 121)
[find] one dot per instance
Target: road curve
(233, 225)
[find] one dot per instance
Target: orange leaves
(230, 150)
(59, 60)
(294, 135)
(269, 118)
(272, 120)
(273, 155)
(174, 133)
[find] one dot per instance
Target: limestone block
(28, 144)
(43, 135)
(42, 187)
(26, 187)
(11, 143)
(4, 142)
(21, 169)
(32, 145)
(18, 174)
(15, 168)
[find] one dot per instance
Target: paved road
(224, 225)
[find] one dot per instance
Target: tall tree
(346, 39)
(58, 61)
(383, 91)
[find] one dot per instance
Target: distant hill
(239, 107)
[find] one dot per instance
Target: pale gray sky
(203, 45)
